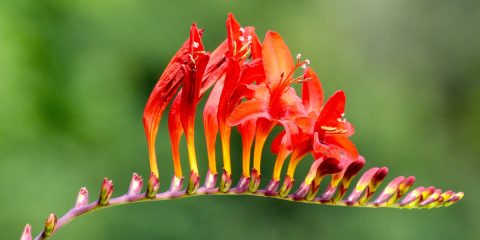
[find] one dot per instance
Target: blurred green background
(75, 75)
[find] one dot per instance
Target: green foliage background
(74, 77)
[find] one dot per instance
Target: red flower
(272, 102)
(243, 44)
(166, 88)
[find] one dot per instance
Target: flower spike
(252, 90)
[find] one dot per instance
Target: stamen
(249, 38)
(299, 55)
(307, 61)
(242, 30)
(241, 38)
(304, 66)
(195, 44)
(191, 58)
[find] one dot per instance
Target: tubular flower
(252, 91)
(242, 66)
(165, 89)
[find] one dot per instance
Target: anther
(299, 56)
(195, 44)
(303, 66)
(307, 61)
(241, 38)
(191, 58)
(242, 30)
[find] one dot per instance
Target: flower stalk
(420, 198)
(253, 92)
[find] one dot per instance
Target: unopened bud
(152, 186)
(50, 225)
(105, 192)
(135, 185)
(82, 198)
(27, 233)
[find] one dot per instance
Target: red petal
(248, 110)
(216, 67)
(196, 44)
(331, 119)
(288, 107)
(277, 142)
(233, 33)
(346, 147)
(277, 59)
(312, 92)
(167, 85)
(255, 45)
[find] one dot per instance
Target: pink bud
(105, 192)
(82, 198)
(27, 233)
(135, 185)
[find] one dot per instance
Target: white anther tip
(195, 44)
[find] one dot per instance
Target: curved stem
(128, 199)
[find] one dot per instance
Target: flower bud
(50, 225)
(135, 185)
(82, 198)
(105, 192)
(152, 186)
(27, 233)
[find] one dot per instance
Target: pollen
(329, 129)
(241, 38)
(195, 44)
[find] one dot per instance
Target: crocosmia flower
(252, 88)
